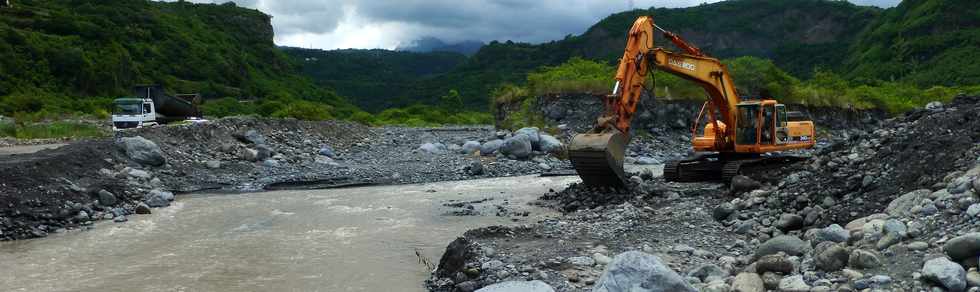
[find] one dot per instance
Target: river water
(356, 239)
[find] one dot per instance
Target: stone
(491, 147)
(858, 224)
(492, 265)
(453, 260)
(581, 261)
(106, 198)
(327, 151)
(270, 163)
(646, 161)
(138, 173)
(788, 222)
(973, 278)
(533, 134)
(475, 168)
(934, 106)
(252, 136)
(793, 284)
(158, 198)
(741, 184)
(748, 282)
(142, 209)
(518, 146)
(601, 259)
(636, 271)
(902, 206)
(964, 246)
(434, 148)
(518, 286)
(213, 164)
(897, 227)
(973, 210)
(776, 263)
(791, 245)
(771, 280)
(918, 245)
(830, 257)
(946, 273)
(722, 211)
(863, 259)
(143, 151)
(549, 144)
(707, 273)
(119, 219)
(832, 233)
(888, 240)
(470, 147)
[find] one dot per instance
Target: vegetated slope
(432, 44)
(64, 51)
(798, 35)
(927, 42)
(373, 78)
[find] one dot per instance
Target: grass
(52, 130)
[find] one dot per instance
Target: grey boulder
(518, 286)
(549, 144)
(964, 246)
(946, 273)
(789, 244)
(470, 147)
(434, 148)
(640, 272)
(491, 147)
(158, 198)
(902, 206)
(533, 135)
(519, 146)
(143, 151)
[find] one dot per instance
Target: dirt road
(358, 239)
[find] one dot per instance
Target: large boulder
(470, 147)
(832, 233)
(434, 148)
(748, 282)
(491, 147)
(741, 184)
(640, 272)
(902, 206)
(158, 198)
(107, 198)
(946, 273)
(533, 135)
(963, 246)
(518, 286)
(518, 146)
(863, 259)
(251, 136)
(143, 151)
(549, 144)
(830, 256)
(789, 244)
(788, 222)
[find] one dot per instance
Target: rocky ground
(889, 208)
(70, 187)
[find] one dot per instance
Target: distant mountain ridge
(433, 44)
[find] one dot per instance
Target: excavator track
(696, 170)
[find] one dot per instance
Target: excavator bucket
(598, 158)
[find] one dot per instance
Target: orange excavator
(737, 133)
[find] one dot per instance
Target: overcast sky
(339, 24)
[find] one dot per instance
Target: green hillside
(73, 56)
(925, 42)
(374, 78)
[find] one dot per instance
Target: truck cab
(131, 112)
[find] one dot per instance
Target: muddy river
(357, 239)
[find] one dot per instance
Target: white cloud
(337, 24)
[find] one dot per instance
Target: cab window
(747, 122)
(146, 108)
(781, 115)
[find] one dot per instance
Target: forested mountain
(59, 54)
(372, 79)
(926, 42)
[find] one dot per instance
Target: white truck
(150, 106)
